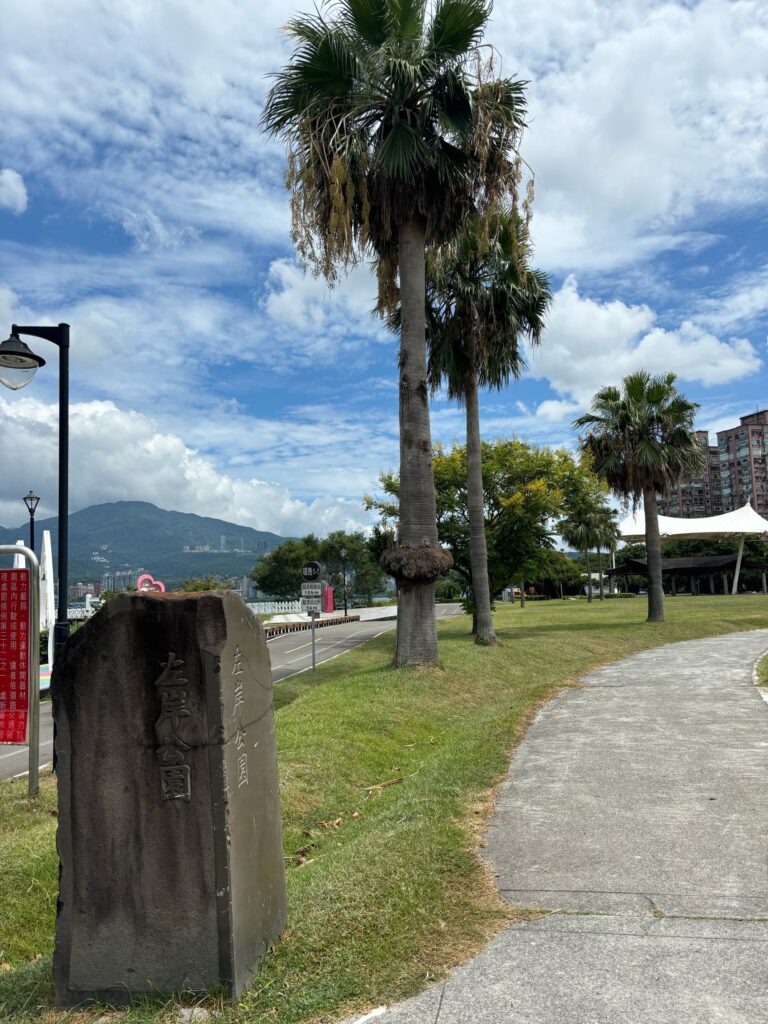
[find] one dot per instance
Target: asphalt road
(290, 653)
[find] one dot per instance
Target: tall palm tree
(482, 299)
(397, 131)
(580, 529)
(606, 537)
(641, 442)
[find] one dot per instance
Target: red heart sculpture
(148, 584)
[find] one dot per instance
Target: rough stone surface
(635, 817)
(169, 835)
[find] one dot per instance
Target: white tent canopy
(731, 524)
(741, 522)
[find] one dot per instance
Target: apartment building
(742, 456)
(736, 473)
(700, 497)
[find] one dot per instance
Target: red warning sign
(14, 655)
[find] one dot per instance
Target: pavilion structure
(741, 522)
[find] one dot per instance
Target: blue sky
(140, 202)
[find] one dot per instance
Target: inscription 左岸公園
(175, 773)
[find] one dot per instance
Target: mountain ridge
(120, 535)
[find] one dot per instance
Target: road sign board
(311, 604)
(311, 571)
(312, 589)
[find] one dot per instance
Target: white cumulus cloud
(13, 191)
(118, 455)
(589, 344)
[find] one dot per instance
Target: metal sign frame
(33, 660)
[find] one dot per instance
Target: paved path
(635, 816)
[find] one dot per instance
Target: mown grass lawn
(386, 780)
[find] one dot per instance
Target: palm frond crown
(388, 115)
(483, 298)
(640, 436)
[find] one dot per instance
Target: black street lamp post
(31, 500)
(343, 556)
(18, 365)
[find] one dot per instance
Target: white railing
(275, 607)
(78, 614)
(259, 607)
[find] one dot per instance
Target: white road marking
(322, 661)
(23, 775)
(329, 646)
(15, 753)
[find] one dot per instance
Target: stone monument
(169, 836)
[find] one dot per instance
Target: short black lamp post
(343, 556)
(18, 365)
(31, 501)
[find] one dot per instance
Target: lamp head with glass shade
(31, 501)
(18, 363)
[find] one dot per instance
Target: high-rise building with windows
(743, 468)
(737, 473)
(702, 496)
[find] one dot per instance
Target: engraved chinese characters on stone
(242, 759)
(175, 782)
(175, 775)
(172, 870)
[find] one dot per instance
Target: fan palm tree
(396, 132)
(580, 529)
(606, 537)
(482, 299)
(640, 441)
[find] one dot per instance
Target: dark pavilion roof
(701, 565)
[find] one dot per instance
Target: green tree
(607, 538)
(555, 572)
(396, 130)
(279, 571)
(580, 529)
(364, 576)
(640, 440)
(483, 299)
(209, 583)
(524, 488)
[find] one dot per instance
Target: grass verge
(386, 779)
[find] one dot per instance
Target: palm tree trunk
(478, 552)
(417, 625)
(653, 554)
(600, 571)
(589, 577)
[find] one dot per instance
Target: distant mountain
(122, 535)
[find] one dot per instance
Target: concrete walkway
(635, 817)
